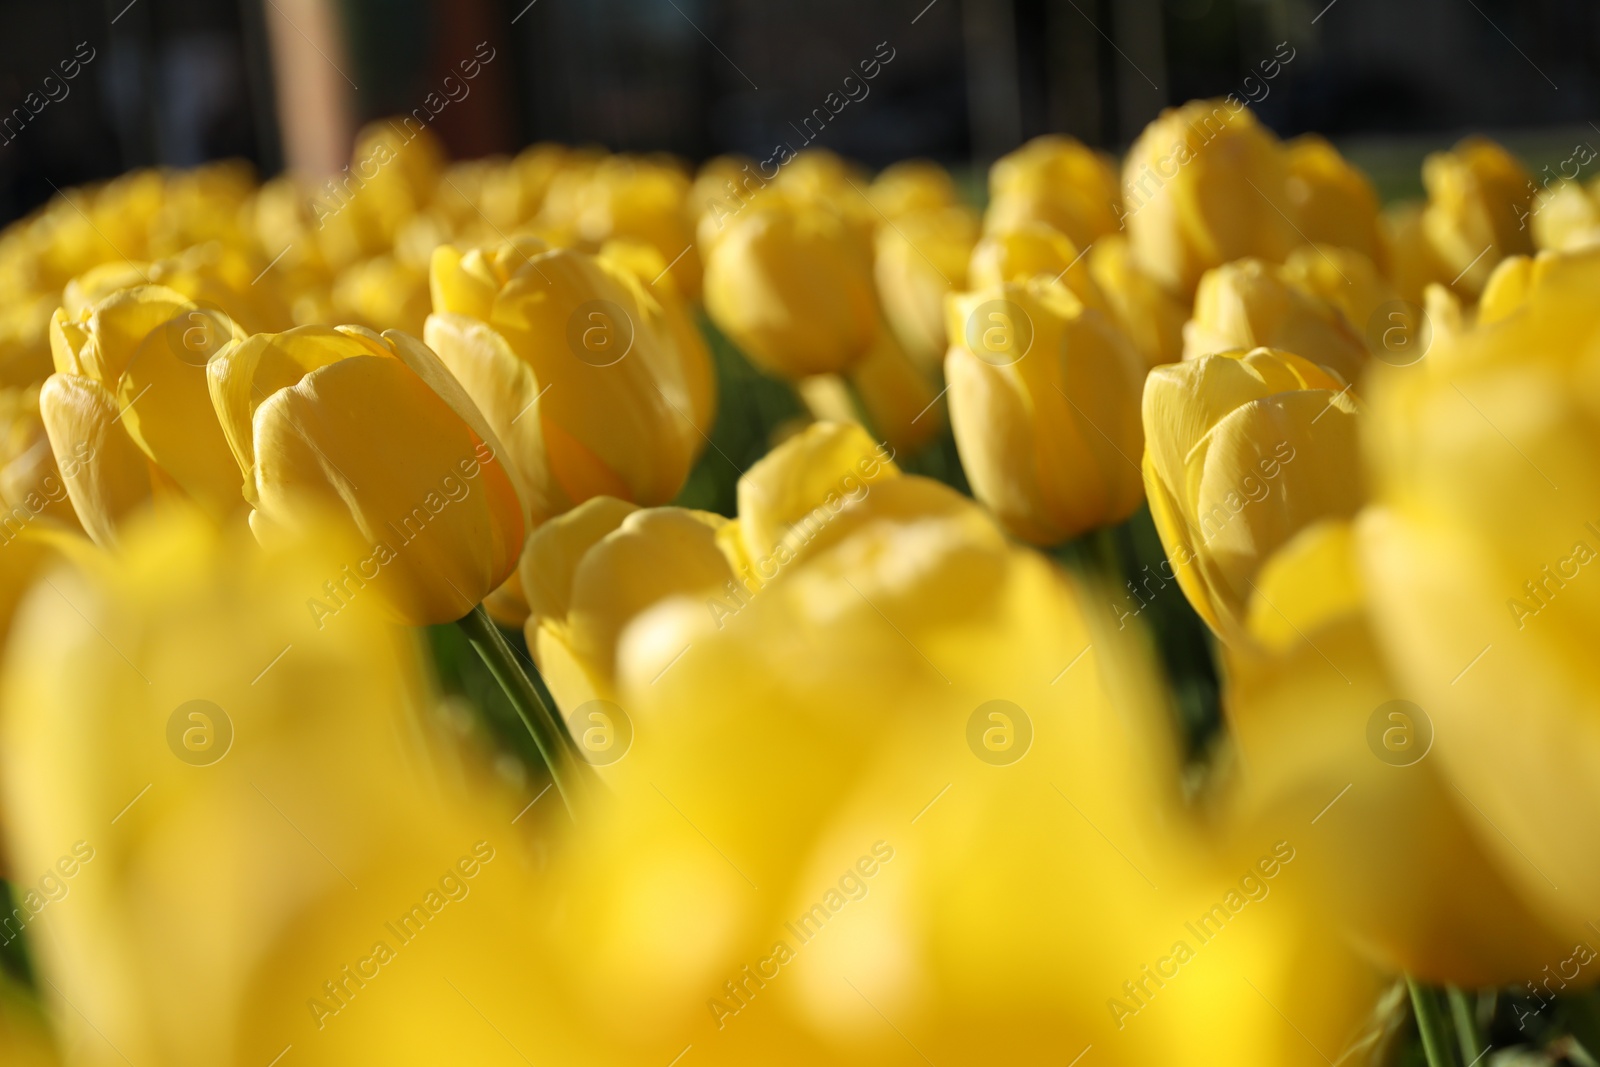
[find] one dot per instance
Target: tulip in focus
(1044, 397)
(1242, 451)
(1251, 304)
(371, 434)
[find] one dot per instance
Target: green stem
(1466, 1026)
(560, 755)
(1430, 1024)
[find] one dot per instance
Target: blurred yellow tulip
(884, 390)
(128, 411)
(1566, 217)
(382, 293)
(1251, 304)
(244, 828)
(372, 434)
(1351, 282)
(789, 284)
(912, 186)
(637, 199)
(1044, 402)
(1205, 184)
(1479, 200)
(593, 387)
(213, 275)
(1484, 513)
(1058, 181)
(1399, 861)
(1150, 315)
(1413, 263)
(31, 486)
(1330, 199)
(1242, 451)
(1030, 250)
(915, 263)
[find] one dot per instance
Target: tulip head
(641, 200)
(1057, 181)
(1204, 185)
(372, 433)
(1330, 199)
(31, 483)
(1479, 201)
(1044, 396)
(1251, 304)
(1566, 218)
(1148, 313)
(916, 262)
(789, 284)
(912, 186)
(1242, 451)
(1031, 250)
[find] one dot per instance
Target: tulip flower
(1330, 199)
(1030, 250)
(1150, 315)
(1400, 862)
(1044, 397)
(1476, 553)
(912, 186)
(214, 276)
(31, 485)
(371, 432)
(1206, 184)
(1058, 181)
(884, 390)
(1413, 263)
(577, 370)
(1349, 281)
(789, 284)
(916, 262)
(1479, 200)
(1566, 218)
(382, 293)
(1242, 451)
(129, 410)
(1251, 304)
(241, 814)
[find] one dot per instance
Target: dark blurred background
(287, 81)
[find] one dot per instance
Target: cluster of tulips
(876, 756)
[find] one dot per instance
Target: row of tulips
(254, 433)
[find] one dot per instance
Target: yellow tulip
(1351, 282)
(1474, 553)
(1413, 263)
(1566, 218)
(1058, 181)
(789, 284)
(373, 434)
(1150, 315)
(382, 293)
(1044, 398)
(1479, 200)
(1206, 184)
(641, 200)
(233, 808)
(31, 486)
(1251, 304)
(884, 390)
(214, 276)
(25, 337)
(576, 367)
(1242, 451)
(912, 186)
(129, 409)
(915, 263)
(724, 186)
(1330, 199)
(1399, 861)
(1032, 249)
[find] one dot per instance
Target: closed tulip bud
(373, 434)
(1349, 281)
(1058, 181)
(1251, 304)
(1478, 552)
(1242, 451)
(1205, 184)
(912, 186)
(129, 408)
(1031, 250)
(789, 284)
(575, 368)
(1149, 314)
(1566, 218)
(1400, 863)
(1044, 402)
(1330, 199)
(917, 261)
(1479, 199)
(724, 187)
